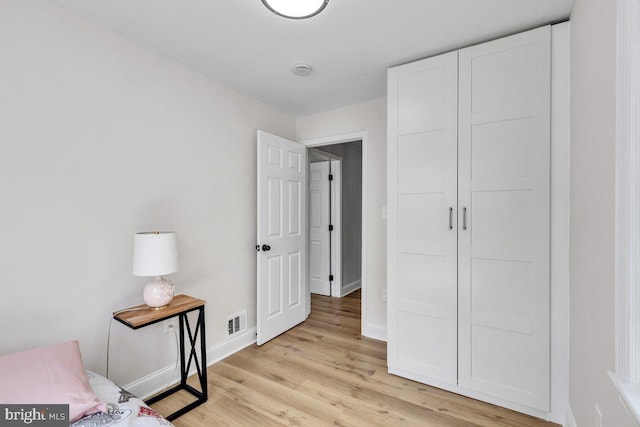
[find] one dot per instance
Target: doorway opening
(351, 151)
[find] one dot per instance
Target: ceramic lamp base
(158, 293)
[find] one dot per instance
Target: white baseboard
(222, 350)
(154, 382)
(570, 421)
(348, 288)
(376, 332)
(157, 381)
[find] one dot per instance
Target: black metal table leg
(200, 364)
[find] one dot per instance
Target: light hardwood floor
(323, 372)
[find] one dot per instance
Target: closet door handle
(464, 218)
(450, 218)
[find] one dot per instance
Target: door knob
(266, 248)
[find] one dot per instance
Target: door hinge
(331, 277)
(330, 177)
(330, 227)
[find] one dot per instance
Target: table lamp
(155, 254)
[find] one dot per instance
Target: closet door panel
(422, 227)
(513, 139)
(420, 279)
(421, 245)
(503, 264)
(420, 155)
(501, 218)
(502, 79)
(502, 288)
(413, 88)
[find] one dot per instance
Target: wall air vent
(237, 324)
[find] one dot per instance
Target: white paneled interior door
(422, 230)
(504, 208)
(319, 234)
(281, 218)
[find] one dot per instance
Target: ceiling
(349, 45)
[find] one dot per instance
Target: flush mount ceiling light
(296, 9)
(302, 70)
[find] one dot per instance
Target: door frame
(339, 139)
(335, 198)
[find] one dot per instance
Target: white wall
(100, 138)
(369, 117)
(592, 252)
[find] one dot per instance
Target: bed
(122, 408)
(36, 380)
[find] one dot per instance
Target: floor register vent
(236, 324)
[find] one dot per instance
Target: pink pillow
(48, 375)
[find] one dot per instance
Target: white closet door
(504, 145)
(422, 153)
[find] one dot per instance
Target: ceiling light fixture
(302, 70)
(296, 9)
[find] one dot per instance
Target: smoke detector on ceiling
(302, 70)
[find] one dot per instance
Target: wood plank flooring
(323, 372)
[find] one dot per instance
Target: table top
(141, 315)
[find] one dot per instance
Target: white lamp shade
(155, 253)
(296, 9)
